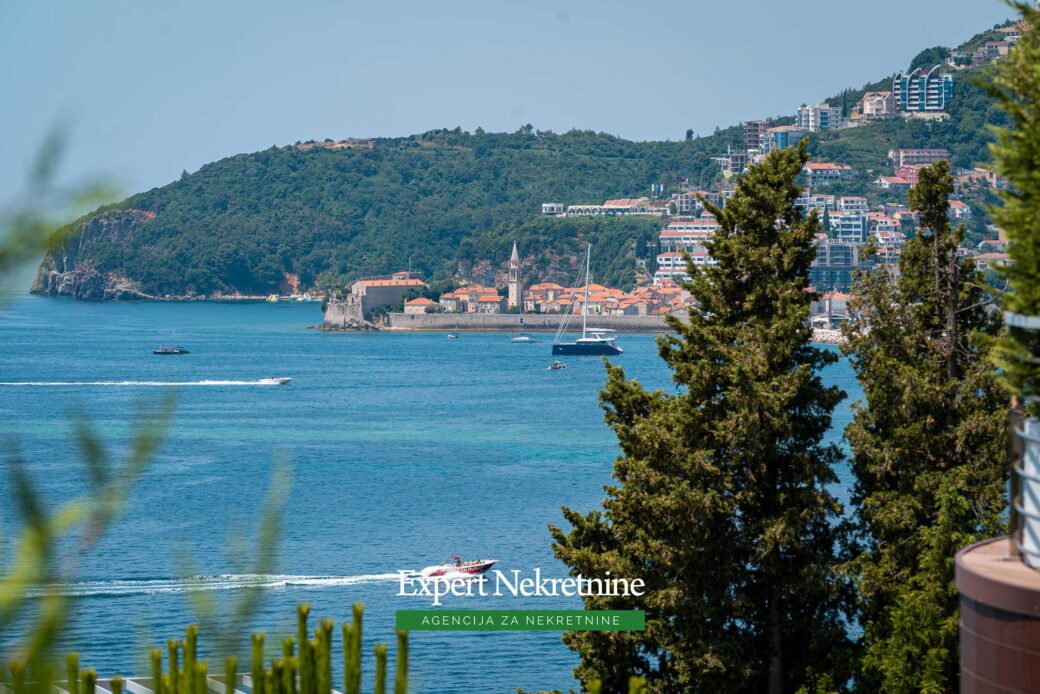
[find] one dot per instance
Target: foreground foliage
(928, 447)
(1016, 88)
(721, 501)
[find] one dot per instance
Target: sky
(143, 89)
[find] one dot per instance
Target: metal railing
(1024, 458)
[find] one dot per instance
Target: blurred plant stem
(41, 217)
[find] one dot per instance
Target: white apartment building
(672, 265)
(851, 203)
(818, 117)
(849, 226)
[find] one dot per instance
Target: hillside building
(878, 106)
(835, 263)
(818, 117)
(754, 130)
(782, 137)
(824, 172)
(923, 92)
(912, 157)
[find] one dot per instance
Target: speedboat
(457, 568)
(452, 336)
(169, 349)
(277, 381)
(524, 340)
(557, 365)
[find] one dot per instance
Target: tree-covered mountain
(324, 215)
(448, 203)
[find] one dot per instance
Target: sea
(401, 450)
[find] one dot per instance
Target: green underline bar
(521, 620)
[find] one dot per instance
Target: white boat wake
(257, 382)
(200, 583)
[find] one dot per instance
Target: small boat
(457, 568)
(452, 336)
(273, 299)
(169, 349)
(277, 381)
(521, 337)
(557, 365)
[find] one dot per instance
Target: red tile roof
(391, 283)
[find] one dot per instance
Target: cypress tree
(1016, 89)
(721, 502)
(928, 446)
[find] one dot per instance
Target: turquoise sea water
(405, 449)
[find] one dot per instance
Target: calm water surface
(405, 449)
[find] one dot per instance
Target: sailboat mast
(585, 306)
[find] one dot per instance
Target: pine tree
(928, 447)
(721, 502)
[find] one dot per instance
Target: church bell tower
(515, 287)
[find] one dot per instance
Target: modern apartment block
(734, 161)
(849, 226)
(923, 92)
(911, 157)
(782, 137)
(835, 262)
(818, 117)
(754, 130)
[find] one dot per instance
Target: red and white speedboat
(457, 568)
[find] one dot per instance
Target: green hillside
(241, 223)
(448, 203)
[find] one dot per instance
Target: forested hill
(441, 201)
(448, 203)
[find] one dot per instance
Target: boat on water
(557, 365)
(522, 338)
(456, 568)
(594, 342)
(452, 336)
(169, 349)
(276, 381)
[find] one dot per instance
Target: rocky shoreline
(828, 337)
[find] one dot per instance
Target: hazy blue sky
(151, 88)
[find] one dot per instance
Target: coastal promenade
(336, 321)
(503, 322)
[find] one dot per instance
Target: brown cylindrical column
(1000, 620)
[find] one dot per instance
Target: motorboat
(456, 568)
(452, 336)
(169, 349)
(276, 381)
(557, 365)
(522, 339)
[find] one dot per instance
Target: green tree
(721, 501)
(929, 57)
(928, 447)
(1015, 87)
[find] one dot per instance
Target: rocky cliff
(69, 269)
